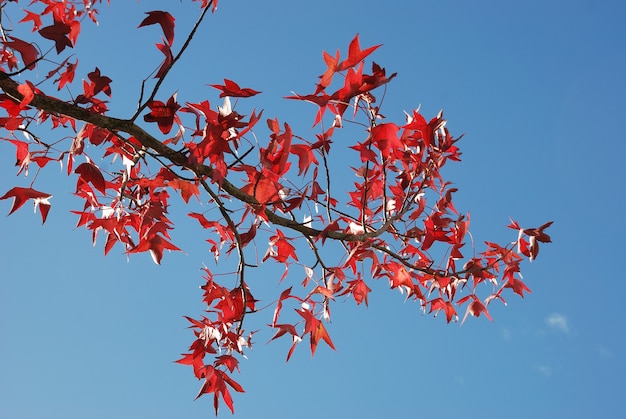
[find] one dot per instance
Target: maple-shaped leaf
(167, 62)
(385, 138)
(100, 83)
(163, 113)
(538, 233)
(359, 290)
(164, 19)
(28, 52)
(155, 244)
(33, 17)
(22, 155)
(232, 89)
(90, 173)
(305, 157)
(67, 76)
(58, 32)
(283, 329)
(21, 195)
(332, 64)
(279, 304)
(475, 308)
(215, 382)
(355, 54)
(315, 328)
(228, 361)
(263, 189)
(440, 304)
(27, 90)
(517, 286)
(187, 189)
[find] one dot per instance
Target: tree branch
(53, 105)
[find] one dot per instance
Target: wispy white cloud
(605, 352)
(544, 370)
(558, 321)
(507, 334)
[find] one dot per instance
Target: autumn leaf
(440, 304)
(27, 92)
(90, 173)
(33, 17)
(187, 189)
(155, 244)
(58, 32)
(332, 64)
(100, 83)
(21, 195)
(28, 52)
(163, 113)
(229, 361)
(22, 155)
(305, 157)
(355, 54)
(167, 62)
(475, 308)
(315, 328)
(67, 76)
(282, 330)
(359, 290)
(164, 19)
(517, 286)
(232, 89)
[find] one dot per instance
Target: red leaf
(385, 138)
(315, 328)
(99, 83)
(22, 155)
(282, 329)
(517, 286)
(475, 308)
(21, 195)
(163, 113)
(58, 32)
(67, 76)
(27, 92)
(34, 17)
(359, 290)
(155, 244)
(89, 172)
(355, 54)
(167, 62)
(332, 64)
(279, 305)
(164, 19)
(305, 157)
(264, 190)
(187, 189)
(228, 361)
(232, 89)
(439, 304)
(28, 51)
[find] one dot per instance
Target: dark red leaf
(163, 114)
(164, 19)
(232, 89)
(58, 32)
(28, 51)
(89, 172)
(21, 195)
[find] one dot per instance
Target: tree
(397, 222)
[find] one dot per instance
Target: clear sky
(538, 89)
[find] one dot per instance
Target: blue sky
(537, 87)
